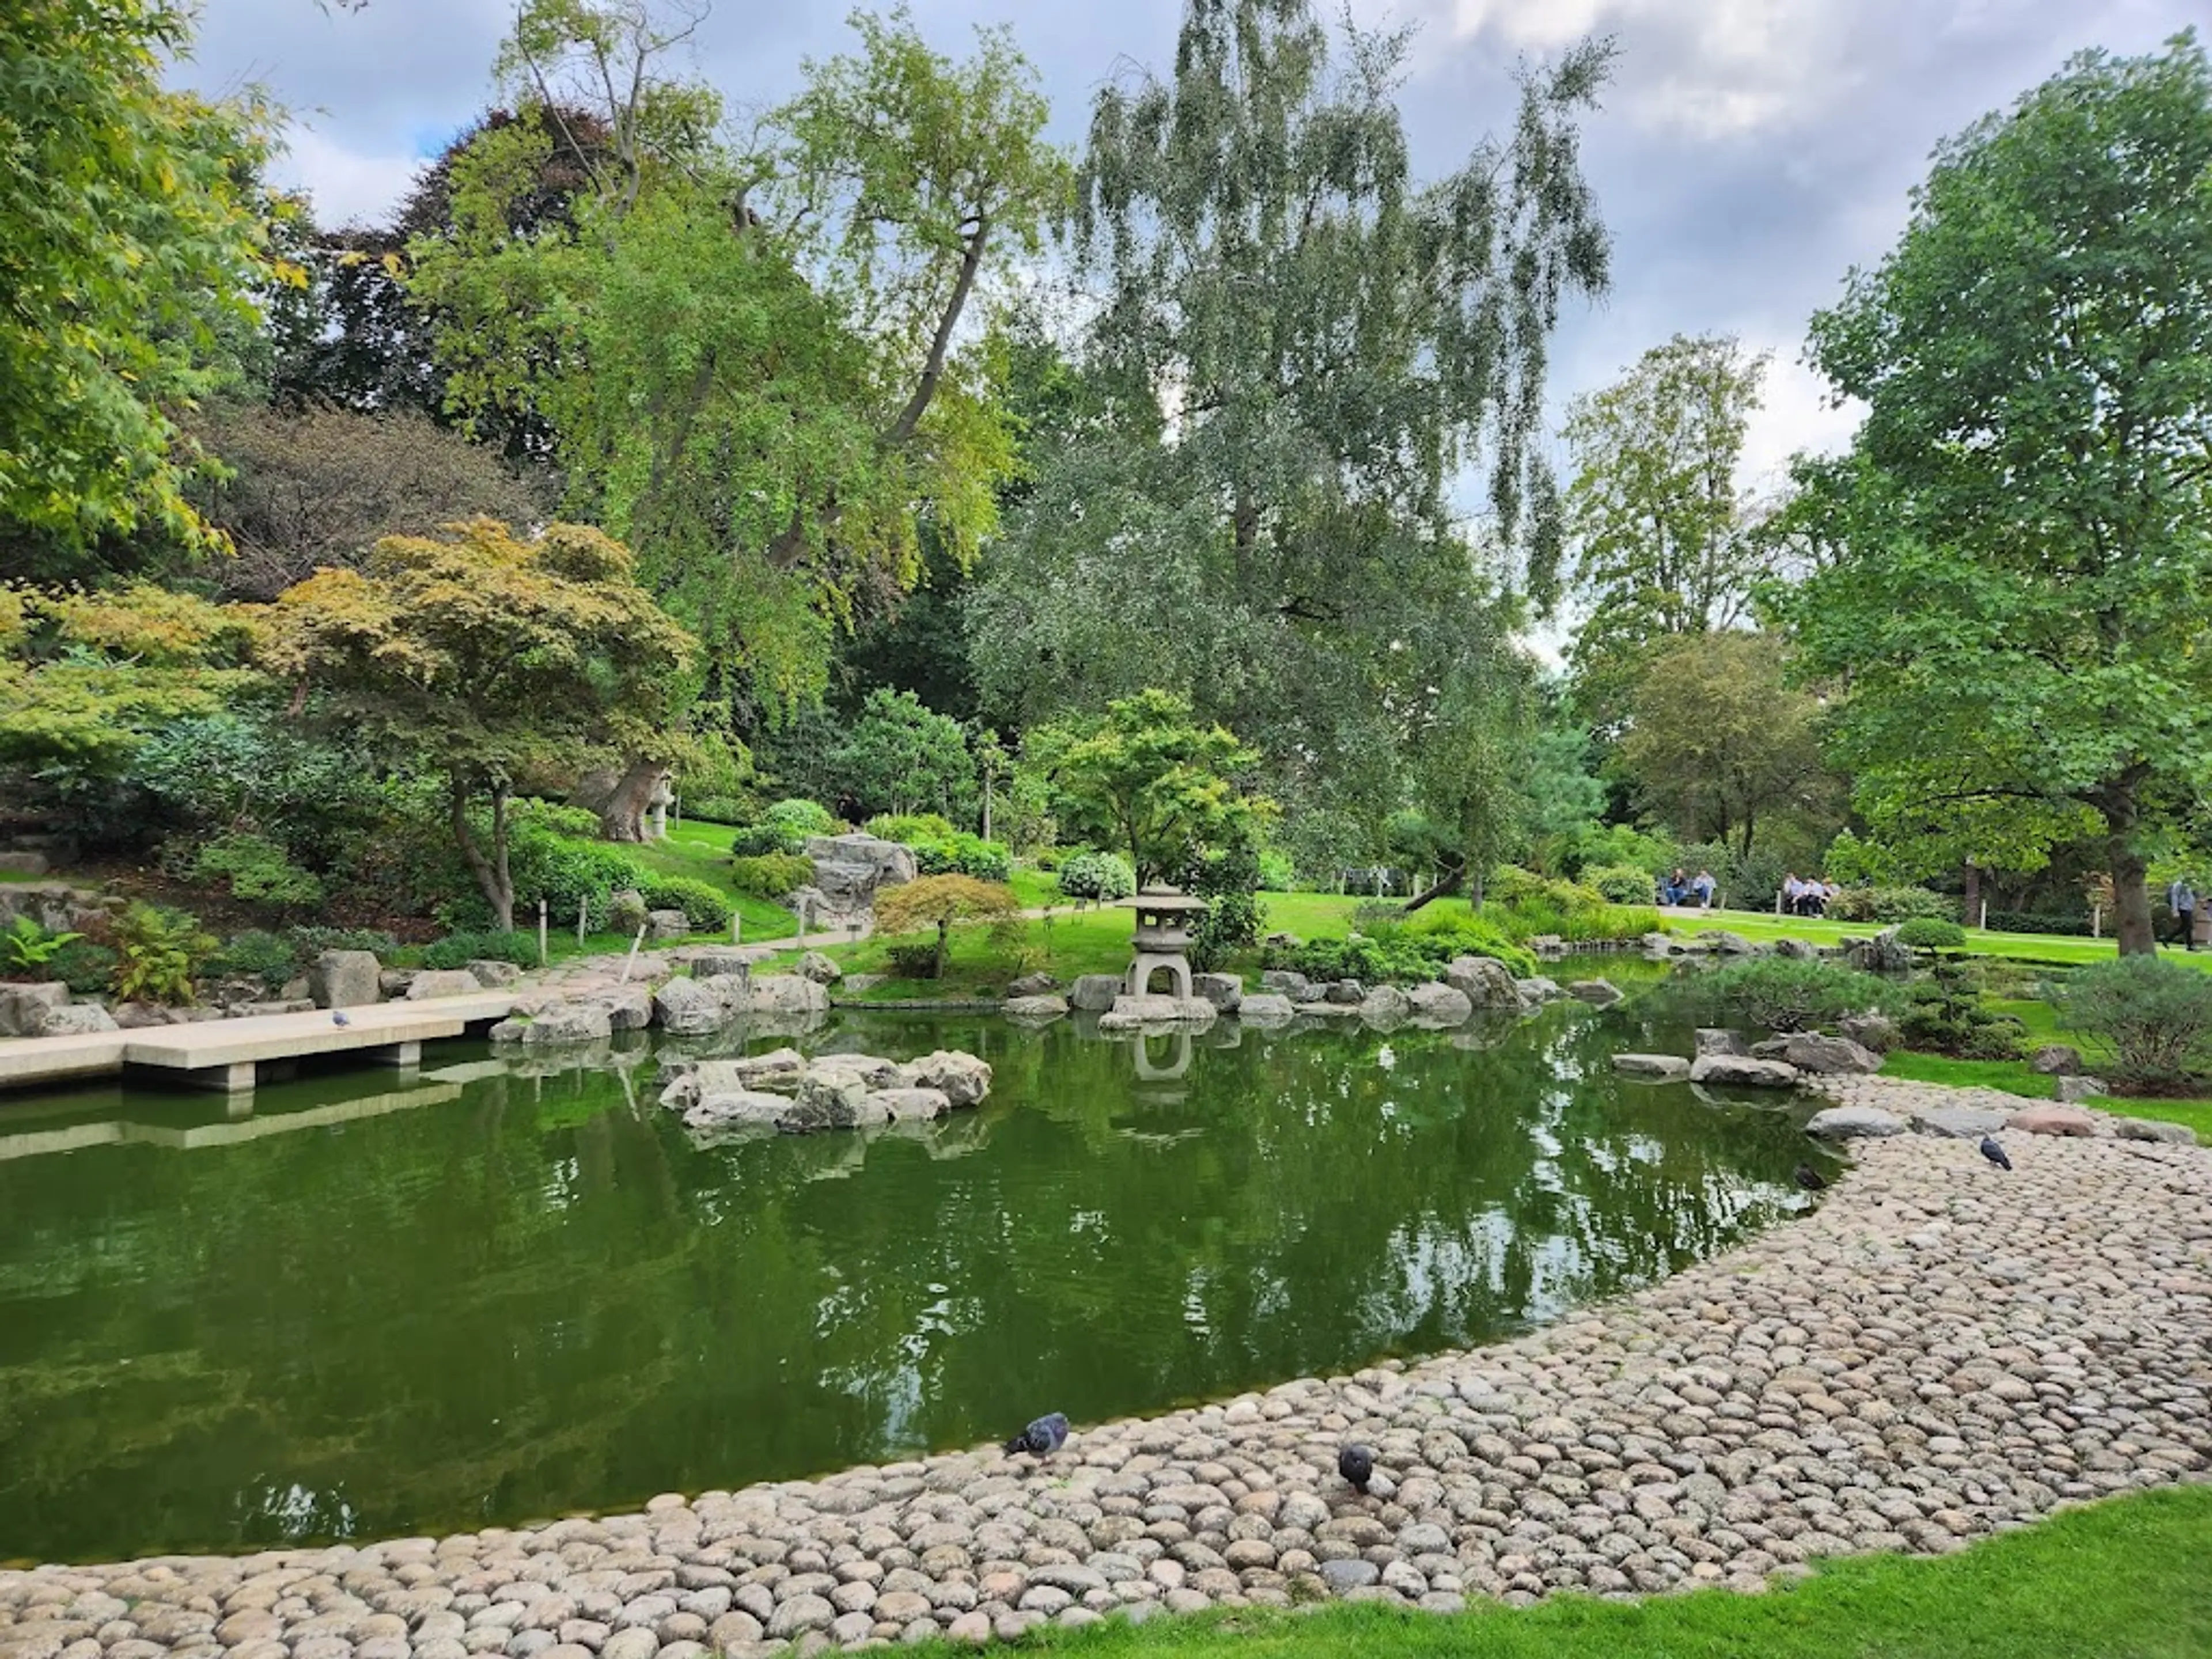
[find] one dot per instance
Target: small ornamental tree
(902, 757)
(480, 655)
(1148, 780)
(939, 902)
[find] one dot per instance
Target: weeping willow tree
(1300, 355)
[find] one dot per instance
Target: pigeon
(1810, 1178)
(1042, 1438)
(338, 1017)
(1994, 1153)
(1356, 1463)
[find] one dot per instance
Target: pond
(478, 1296)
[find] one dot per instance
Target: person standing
(2181, 900)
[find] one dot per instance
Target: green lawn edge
(2121, 1579)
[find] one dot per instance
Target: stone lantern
(1162, 938)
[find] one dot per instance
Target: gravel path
(1939, 1351)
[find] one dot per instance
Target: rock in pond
(558, 1022)
(1094, 993)
(906, 1105)
(1662, 1068)
(1385, 1008)
(1743, 1073)
(961, 1077)
(1827, 1056)
(1713, 1040)
(1033, 985)
(1223, 991)
(1598, 992)
(689, 1008)
(736, 1109)
(1438, 1004)
(1266, 1008)
(1131, 1013)
(1034, 1008)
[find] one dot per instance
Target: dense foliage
(1786, 993)
(2154, 1018)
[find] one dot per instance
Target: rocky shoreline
(1937, 1349)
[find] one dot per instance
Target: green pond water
(500, 1292)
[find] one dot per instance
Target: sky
(1747, 155)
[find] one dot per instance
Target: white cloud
(347, 185)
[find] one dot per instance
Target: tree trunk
(987, 807)
(944, 947)
(1449, 884)
(1972, 904)
(2131, 899)
(623, 819)
(493, 876)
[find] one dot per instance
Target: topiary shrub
(458, 950)
(1931, 933)
(1229, 881)
(1100, 876)
(909, 828)
(1786, 993)
(1622, 883)
(708, 909)
(771, 875)
(1944, 1013)
(2153, 1018)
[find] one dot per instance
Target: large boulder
(2151, 1128)
(1598, 992)
(1436, 1004)
(1881, 954)
(848, 870)
(871, 1069)
(1855, 1123)
(1723, 943)
(2054, 1120)
(1796, 950)
(1385, 1008)
(1035, 985)
(23, 1008)
(1739, 1072)
(559, 1021)
(1713, 1040)
(785, 994)
(1958, 1122)
(1284, 983)
(1537, 990)
(1485, 981)
(1662, 1068)
(734, 1108)
(73, 1019)
(2071, 1089)
(2056, 1059)
(1223, 991)
(1344, 992)
(1876, 1031)
(442, 983)
(906, 1105)
(689, 1007)
(629, 1007)
(1094, 993)
(493, 976)
(663, 926)
(828, 1099)
(722, 962)
(962, 1078)
(345, 978)
(1034, 1009)
(690, 1080)
(1828, 1056)
(820, 969)
(1266, 1008)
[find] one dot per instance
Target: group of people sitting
(1808, 897)
(1681, 889)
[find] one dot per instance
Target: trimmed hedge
(770, 875)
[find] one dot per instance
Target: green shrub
(2153, 1016)
(804, 817)
(1406, 958)
(270, 957)
(1278, 874)
(1622, 883)
(771, 875)
(1100, 876)
(784, 828)
(913, 961)
(565, 870)
(1890, 904)
(706, 907)
(1461, 933)
(1931, 933)
(25, 947)
(458, 950)
(160, 951)
(1786, 993)
(1944, 1013)
(86, 967)
(1229, 881)
(719, 809)
(309, 942)
(257, 868)
(909, 828)
(963, 854)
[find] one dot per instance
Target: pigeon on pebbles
(1046, 1436)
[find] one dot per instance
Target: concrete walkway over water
(1937, 1349)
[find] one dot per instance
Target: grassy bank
(2052, 948)
(2118, 1580)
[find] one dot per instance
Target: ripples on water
(488, 1295)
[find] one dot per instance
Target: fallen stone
(1827, 1056)
(1664, 1068)
(2056, 1059)
(1094, 993)
(2054, 1120)
(1855, 1123)
(345, 978)
(1598, 992)
(1438, 1004)
(1034, 1007)
(442, 983)
(1223, 991)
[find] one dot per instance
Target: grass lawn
(702, 851)
(2118, 1580)
(1759, 926)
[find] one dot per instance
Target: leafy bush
(257, 868)
(760, 841)
(1891, 904)
(706, 907)
(1229, 881)
(1407, 957)
(719, 809)
(940, 901)
(963, 854)
(1526, 906)
(1944, 1013)
(1786, 993)
(1278, 874)
(565, 870)
(1622, 883)
(1931, 933)
(86, 967)
(771, 875)
(802, 819)
(1100, 876)
(270, 957)
(458, 950)
(160, 951)
(26, 947)
(2037, 921)
(1457, 931)
(909, 828)
(2153, 1016)
(312, 941)
(912, 961)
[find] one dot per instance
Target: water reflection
(516, 1288)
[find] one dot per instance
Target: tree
(2022, 536)
(1717, 743)
(130, 227)
(939, 902)
(902, 757)
(321, 486)
(1146, 778)
(1664, 540)
(1298, 352)
(478, 655)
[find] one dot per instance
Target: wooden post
(2096, 921)
(1985, 916)
(583, 909)
(737, 922)
(541, 933)
(635, 945)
